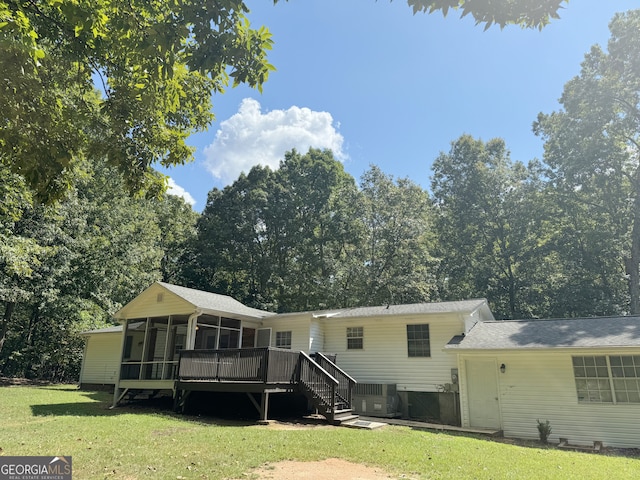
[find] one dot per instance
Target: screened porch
(152, 345)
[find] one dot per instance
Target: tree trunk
(9, 307)
(633, 262)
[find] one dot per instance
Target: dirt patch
(304, 423)
(329, 469)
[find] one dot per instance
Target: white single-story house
(582, 375)
(448, 361)
(392, 351)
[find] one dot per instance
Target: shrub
(544, 430)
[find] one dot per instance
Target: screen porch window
(283, 339)
(607, 378)
(418, 340)
(152, 347)
(213, 333)
(355, 338)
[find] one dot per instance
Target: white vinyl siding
(147, 305)
(316, 340)
(385, 359)
(540, 385)
(101, 360)
(298, 326)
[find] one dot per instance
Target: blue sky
(382, 86)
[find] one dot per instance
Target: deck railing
(319, 383)
(327, 386)
(346, 383)
(266, 365)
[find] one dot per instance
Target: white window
(418, 340)
(283, 339)
(355, 338)
(607, 378)
(625, 372)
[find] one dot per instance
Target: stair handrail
(333, 365)
(342, 375)
(327, 397)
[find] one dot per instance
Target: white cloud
(174, 189)
(251, 137)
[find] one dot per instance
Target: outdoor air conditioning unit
(375, 399)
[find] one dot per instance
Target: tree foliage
(157, 65)
(303, 237)
(526, 13)
(274, 239)
(592, 147)
(486, 220)
(88, 255)
(397, 249)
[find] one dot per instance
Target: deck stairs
(327, 388)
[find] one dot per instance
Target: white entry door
(482, 394)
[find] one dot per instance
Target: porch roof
(195, 301)
(214, 301)
(114, 329)
(595, 332)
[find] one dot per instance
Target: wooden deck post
(264, 407)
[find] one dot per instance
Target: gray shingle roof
(464, 306)
(214, 301)
(557, 333)
(114, 329)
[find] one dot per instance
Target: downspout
(191, 330)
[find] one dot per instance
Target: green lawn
(137, 443)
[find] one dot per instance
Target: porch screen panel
(132, 353)
(156, 340)
(229, 333)
(177, 341)
(207, 332)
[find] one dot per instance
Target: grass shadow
(632, 453)
(74, 409)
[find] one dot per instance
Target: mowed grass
(127, 443)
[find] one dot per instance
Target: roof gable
(173, 299)
(554, 333)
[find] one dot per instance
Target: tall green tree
(19, 255)
(176, 220)
(490, 227)
(397, 261)
(312, 233)
(276, 239)
(231, 253)
(97, 249)
(592, 146)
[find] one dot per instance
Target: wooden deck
(266, 370)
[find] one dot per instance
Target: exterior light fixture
(503, 368)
